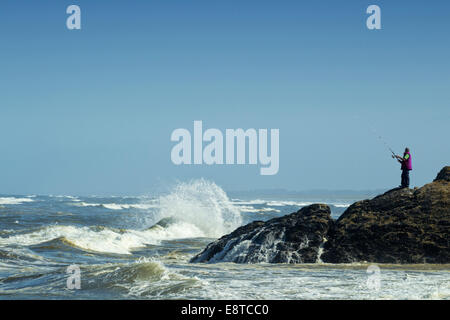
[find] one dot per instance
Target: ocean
(139, 247)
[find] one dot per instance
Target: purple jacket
(407, 163)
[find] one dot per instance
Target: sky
(91, 111)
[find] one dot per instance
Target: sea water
(139, 247)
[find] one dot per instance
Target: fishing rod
(394, 155)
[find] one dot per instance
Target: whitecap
(341, 205)
(13, 200)
(105, 240)
(288, 203)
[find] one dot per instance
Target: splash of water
(202, 204)
(198, 208)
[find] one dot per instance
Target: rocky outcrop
(399, 226)
(294, 238)
(443, 175)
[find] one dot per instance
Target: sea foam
(13, 200)
(202, 204)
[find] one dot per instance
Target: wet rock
(294, 238)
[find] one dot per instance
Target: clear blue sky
(91, 111)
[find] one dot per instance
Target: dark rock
(399, 226)
(294, 238)
(444, 174)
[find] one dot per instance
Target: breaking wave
(13, 200)
(196, 209)
(339, 205)
(116, 206)
(203, 205)
(145, 277)
(258, 210)
(103, 239)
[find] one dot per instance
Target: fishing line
(383, 141)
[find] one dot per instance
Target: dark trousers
(405, 178)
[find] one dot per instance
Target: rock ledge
(399, 226)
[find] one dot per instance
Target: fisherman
(406, 167)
